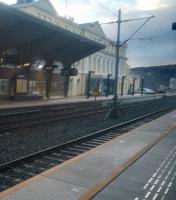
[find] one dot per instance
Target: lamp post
(122, 86)
(108, 84)
(114, 113)
(88, 83)
(142, 85)
(133, 88)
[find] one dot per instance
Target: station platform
(138, 165)
(153, 176)
(10, 104)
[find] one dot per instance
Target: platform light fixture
(1, 60)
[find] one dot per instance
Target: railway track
(26, 167)
(33, 121)
(18, 120)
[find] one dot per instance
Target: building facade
(158, 78)
(101, 64)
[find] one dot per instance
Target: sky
(161, 50)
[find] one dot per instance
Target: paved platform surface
(85, 175)
(153, 176)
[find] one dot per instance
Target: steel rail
(78, 140)
(33, 120)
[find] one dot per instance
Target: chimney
(23, 1)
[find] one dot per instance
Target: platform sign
(65, 72)
(69, 72)
(95, 92)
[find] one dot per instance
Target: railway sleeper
(76, 149)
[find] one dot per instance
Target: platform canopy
(45, 40)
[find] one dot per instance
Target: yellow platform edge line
(19, 186)
(102, 184)
(52, 170)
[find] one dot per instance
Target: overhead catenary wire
(157, 44)
(134, 28)
(127, 20)
(107, 9)
(143, 36)
(136, 31)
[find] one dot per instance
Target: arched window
(107, 71)
(90, 63)
(103, 66)
(98, 69)
(94, 64)
(111, 67)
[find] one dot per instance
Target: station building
(158, 78)
(101, 63)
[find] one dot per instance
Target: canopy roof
(46, 40)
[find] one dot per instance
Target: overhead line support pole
(114, 113)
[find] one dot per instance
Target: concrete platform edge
(102, 184)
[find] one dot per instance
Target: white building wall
(100, 63)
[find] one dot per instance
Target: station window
(37, 88)
(94, 64)
(103, 66)
(99, 70)
(57, 88)
(90, 63)
(21, 86)
(107, 67)
(4, 87)
(112, 71)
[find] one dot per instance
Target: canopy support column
(49, 71)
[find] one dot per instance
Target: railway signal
(69, 72)
(174, 26)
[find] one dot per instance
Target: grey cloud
(161, 50)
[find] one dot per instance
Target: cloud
(8, 1)
(147, 4)
(161, 50)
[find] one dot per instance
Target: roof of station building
(47, 40)
(95, 28)
(159, 68)
(45, 5)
